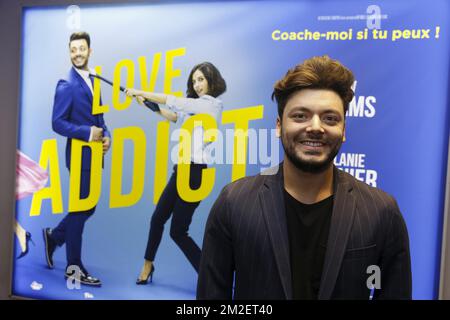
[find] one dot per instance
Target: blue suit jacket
(72, 115)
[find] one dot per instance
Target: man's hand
(106, 144)
(97, 133)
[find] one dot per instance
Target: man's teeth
(312, 144)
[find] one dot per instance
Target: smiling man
(72, 118)
(308, 231)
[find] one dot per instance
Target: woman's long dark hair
(216, 84)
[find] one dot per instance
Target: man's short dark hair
(216, 84)
(80, 35)
(315, 73)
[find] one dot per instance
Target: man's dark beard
(82, 66)
(308, 166)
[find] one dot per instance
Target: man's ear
(278, 128)
(90, 51)
(343, 136)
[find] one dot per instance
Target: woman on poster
(204, 85)
(30, 177)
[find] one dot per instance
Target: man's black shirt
(308, 227)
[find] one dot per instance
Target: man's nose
(315, 125)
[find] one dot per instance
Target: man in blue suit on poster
(72, 118)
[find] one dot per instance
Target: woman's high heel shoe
(149, 277)
(27, 245)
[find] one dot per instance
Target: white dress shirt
(187, 107)
(85, 75)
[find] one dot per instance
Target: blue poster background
(399, 120)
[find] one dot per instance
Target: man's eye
(299, 116)
(331, 119)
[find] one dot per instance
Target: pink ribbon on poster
(30, 177)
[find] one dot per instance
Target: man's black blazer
(246, 243)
